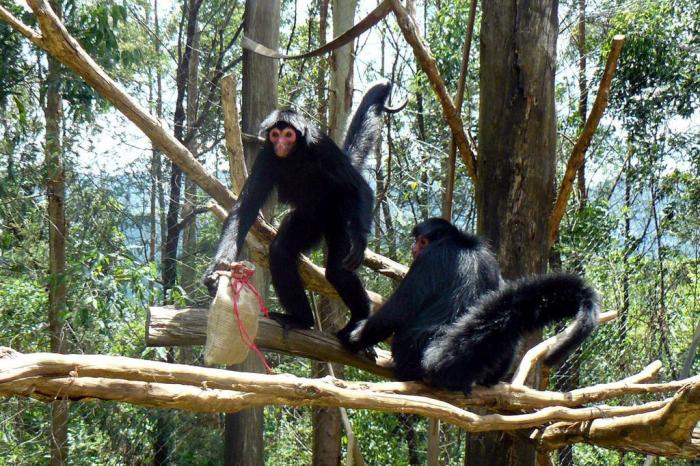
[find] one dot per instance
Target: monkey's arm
(241, 217)
(409, 299)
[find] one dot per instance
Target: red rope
(240, 278)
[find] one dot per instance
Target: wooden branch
(232, 134)
(20, 27)
(167, 326)
(539, 351)
(348, 36)
(384, 265)
(501, 397)
(429, 66)
(659, 427)
(459, 98)
(504, 397)
(667, 431)
(578, 153)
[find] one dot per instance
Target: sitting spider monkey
(456, 322)
(329, 200)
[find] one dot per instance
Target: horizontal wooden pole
(168, 326)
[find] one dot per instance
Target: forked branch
(662, 427)
(578, 153)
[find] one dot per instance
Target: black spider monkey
(329, 199)
(456, 322)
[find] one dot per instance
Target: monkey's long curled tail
(481, 345)
(547, 299)
(366, 123)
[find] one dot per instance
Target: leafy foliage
(633, 231)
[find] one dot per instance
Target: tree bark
(327, 429)
(190, 11)
(58, 231)
(517, 141)
(244, 430)
(189, 280)
(342, 62)
(663, 427)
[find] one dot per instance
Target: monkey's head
(286, 131)
(430, 230)
(283, 138)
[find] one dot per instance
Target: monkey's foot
(289, 322)
(344, 337)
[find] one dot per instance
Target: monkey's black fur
(481, 345)
(329, 199)
(456, 322)
(450, 275)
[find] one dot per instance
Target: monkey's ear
(306, 133)
(268, 123)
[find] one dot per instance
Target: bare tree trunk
(189, 236)
(190, 12)
(56, 193)
(327, 428)
(662, 328)
(433, 453)
(583, 94)
(627, 251)
(321, 85)
(243, 434)
(340, 98)
(517, 129)
(157, 197)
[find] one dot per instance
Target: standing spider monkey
(456, 322)
(329, 199)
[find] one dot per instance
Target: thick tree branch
(659, 427)
(348, 36)
(232, 131)
(666, 431)
(539, 351)
(20, 27)
(578, 153)
(167, 326)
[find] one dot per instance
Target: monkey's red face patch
(283, 141)
(419, 245)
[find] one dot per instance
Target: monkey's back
(456, 271)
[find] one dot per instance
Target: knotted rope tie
(240, 279)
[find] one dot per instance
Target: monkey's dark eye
(289, 133)
(274, 134)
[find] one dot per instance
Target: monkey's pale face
(283, 141)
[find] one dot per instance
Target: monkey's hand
(211, 277)
(349, 336)
(357, 253)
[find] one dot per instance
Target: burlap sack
(226, 343)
